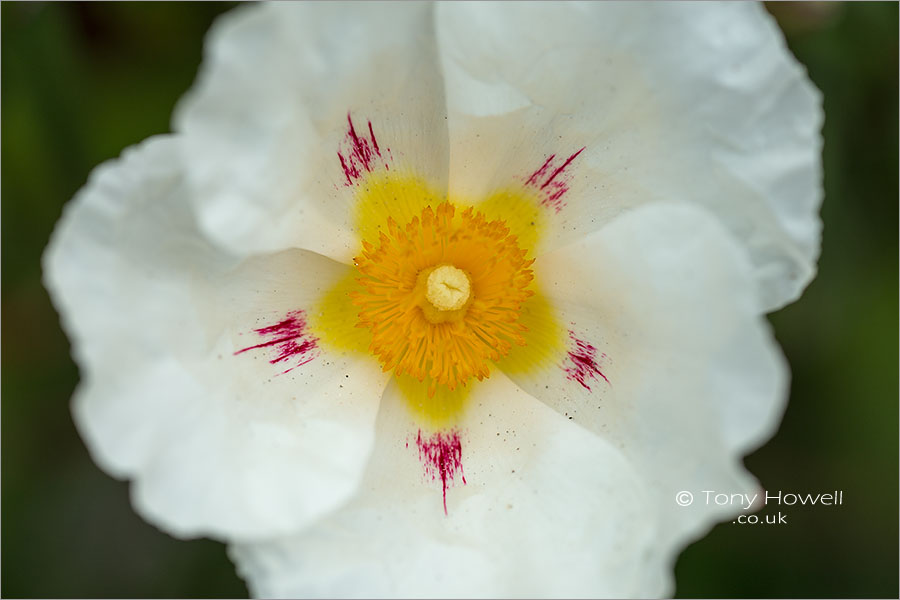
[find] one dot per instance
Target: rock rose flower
(449, 299)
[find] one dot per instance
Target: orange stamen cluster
(409, 334)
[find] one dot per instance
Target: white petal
(668, 358)
(548, 510)
(696, 103)
(269, 115)
(218, 443)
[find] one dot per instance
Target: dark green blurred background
(80, 82)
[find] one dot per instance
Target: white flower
(233, 291)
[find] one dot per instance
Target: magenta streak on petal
(441, 454)
(552, 188)
(372, 135)
(540, 172)
(290, 339)
(350, 170)
(583, 362)
(358, 154)
(562, 168)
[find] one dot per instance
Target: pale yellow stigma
(448, 288)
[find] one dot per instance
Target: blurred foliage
(840, 430)
(80, 82)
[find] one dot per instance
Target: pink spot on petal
(441, 455)
(581, 364)
(289, 341)
(359, 154)
(552, 182)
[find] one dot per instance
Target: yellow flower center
(442, 295)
